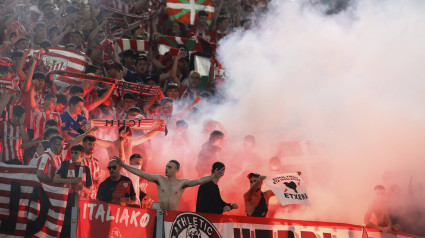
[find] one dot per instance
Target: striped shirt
(40, 118)
(94, 167)
(29, 115)
(49, 163)
(11, 140)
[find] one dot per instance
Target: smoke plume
(352, 83)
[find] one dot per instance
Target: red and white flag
(27, 206)
(9, 84)
(66, 60)
(184, 11)
(136, 45)
(55, 67)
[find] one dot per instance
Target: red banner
(99, 219)
(144, 124)
(189, 224)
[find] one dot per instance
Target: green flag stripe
(172, 43)
(180, 14)
(199, 2)
(190, 44)
(184, 1)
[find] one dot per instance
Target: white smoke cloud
(353, 81)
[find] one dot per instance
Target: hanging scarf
(71, 175)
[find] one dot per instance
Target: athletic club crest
(54, 63)
(192, 225)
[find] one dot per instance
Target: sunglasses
(113, 167)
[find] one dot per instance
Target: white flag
(288, 188)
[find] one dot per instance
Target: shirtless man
(256, 202)
(377, 215)
(170, 188)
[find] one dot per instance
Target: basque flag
(184, 11)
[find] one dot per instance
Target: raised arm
(144, 138)
(102, 99)
(216, 15)
(33, 104)
(193, 182)
(80, 138)
(174, 68)
(20, 68)
(55, 41)
(150, 177)
(4, 100)
(30, 144)
(188, 108)
(211, 76)
(248, 194)
(148, 105)
(268, 194)
(154, 61)
(94, 33)
(104, 143)
(28, 77)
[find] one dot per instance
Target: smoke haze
(339, 97)
(352, 82)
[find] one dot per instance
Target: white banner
(288, 188)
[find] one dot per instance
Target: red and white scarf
(71, 175)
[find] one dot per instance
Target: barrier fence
(29, 208)
(109, 220)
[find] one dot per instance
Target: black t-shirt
(209, 199)
(63, 172)
(111, 191)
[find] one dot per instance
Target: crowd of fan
(91, 29)
(47, 125)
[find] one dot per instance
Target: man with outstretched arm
(171, 188)
(256, 202)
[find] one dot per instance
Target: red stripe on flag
(78, 61)
(133, 45)
(57, 195)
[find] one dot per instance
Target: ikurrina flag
(185, 11)
(288, 188)
(165, 43)
(29, 208)
(168, 43)
(201, 63)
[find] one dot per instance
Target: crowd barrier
(29, 208)
(109, 220)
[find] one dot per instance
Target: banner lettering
(99, 219)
